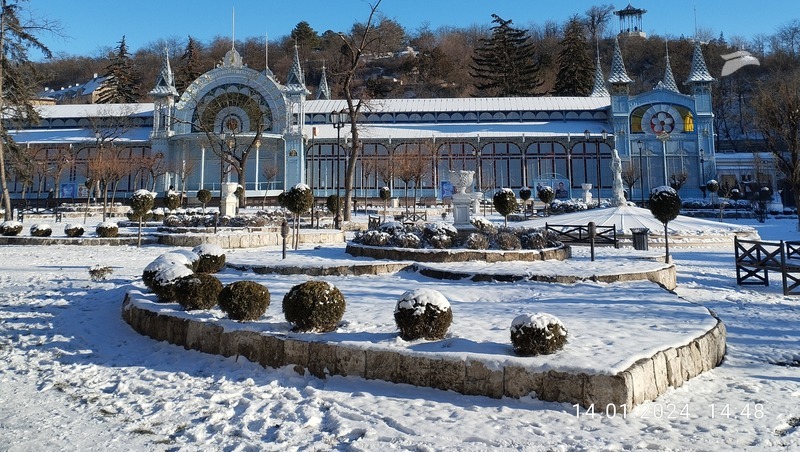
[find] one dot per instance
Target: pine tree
(505, 65)
(575, 67)
(305, 36)
(190, 69)
(16, 80)
(120, 87)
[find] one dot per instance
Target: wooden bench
(756, 258)
(373, 222)
(578, 234)
(410, 217)
(39, 209)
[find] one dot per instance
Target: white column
(258, 149)
(202, 167)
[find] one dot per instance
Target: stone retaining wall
(378, 268)
(665, 277)
(643, 381)
(456, 255)
(249, 240)
(93, 241)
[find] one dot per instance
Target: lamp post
(338, 119)
(641, 170)
(703, 172)
(663, 138)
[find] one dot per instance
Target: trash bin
(640, 238)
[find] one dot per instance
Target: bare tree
(630, 175)
(110, 125)
(354, 47)
(777, 117)
(64, 157)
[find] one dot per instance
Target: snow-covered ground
(74, 376)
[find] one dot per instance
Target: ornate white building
(279, 138)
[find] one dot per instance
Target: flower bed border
(643, 381)
(456, 255)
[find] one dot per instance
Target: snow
(418, 299)
(208, 249)
(74, 376)
(41, 227)
(539, 321)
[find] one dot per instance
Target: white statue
(618, 198)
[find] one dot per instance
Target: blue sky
(92, 25)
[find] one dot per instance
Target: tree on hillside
(190, 67)
(597, 18)
(504, 64)
(304, 36)
(16, 76)
(121, 85)
(777, 116)
(575, 75)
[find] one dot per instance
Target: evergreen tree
(305, 36)
(120, 87)
(190, 68)
(505, 64)
(575, 67)
(16, 80)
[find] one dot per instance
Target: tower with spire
(164, 95)
(620, 94)
(296, 93)
(323, 91)
(668, 82)
(699, 81)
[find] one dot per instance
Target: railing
(756, 258)
(579, 234)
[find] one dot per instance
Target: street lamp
(338, 120)
(703, 172)
(641, 170)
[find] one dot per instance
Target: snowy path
(73, 376)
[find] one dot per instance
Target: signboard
(446, 189)
(67, 190)
(560, 187)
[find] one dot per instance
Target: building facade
(275, 137)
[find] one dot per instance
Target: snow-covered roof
(573, 128)
(94, 110)
(469, 104)
(76, 135)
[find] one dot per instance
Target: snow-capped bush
(198, 291)
(406, 240)
(392, 227)
(244, 300)
(508, 241)
(483, 225)
(41, 230)
(211, 258)
(372, 238)
(504, 201)
(172, 200)
(537, 239)
(477, 241)
(159, 214)
(107, 229)
(423, 314)
(440, 235)
(712, 185)
(314, 306)
(161, 274)
(664, 203)
(73, 230)
(546, 194)
(10, 228)
(537, 334)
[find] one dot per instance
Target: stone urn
(461, 180)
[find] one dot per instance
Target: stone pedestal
(229, 201)
(477, 196)
(462, 206)
(587, 194)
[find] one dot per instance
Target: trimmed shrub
(244, 300)
(211, 258)
(546, 194)
(406, 240)
(508, 241)
(73, 230)
(664, 203)
(504, 201)
(333, 203)
(10, 228)
(41, 230)
(172, 200)
(158, 214)
(537, 239)
(314, 306)
(204, 196)
(423, 314)
(537, 334)
(440, 235)
(525, 193)
(136, 216)
(483, 225)
(392, 227)
(107, 229)
(373, 238)
(477, 241)
(712, 186)
(198, 291)
(385, 193)
(162, 268)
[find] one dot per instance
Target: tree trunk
(666, 244)
(139, 237)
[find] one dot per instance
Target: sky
(90, 26)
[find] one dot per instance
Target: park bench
(756, 258)
(39, 208)
(578, 234)
(373, 222)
